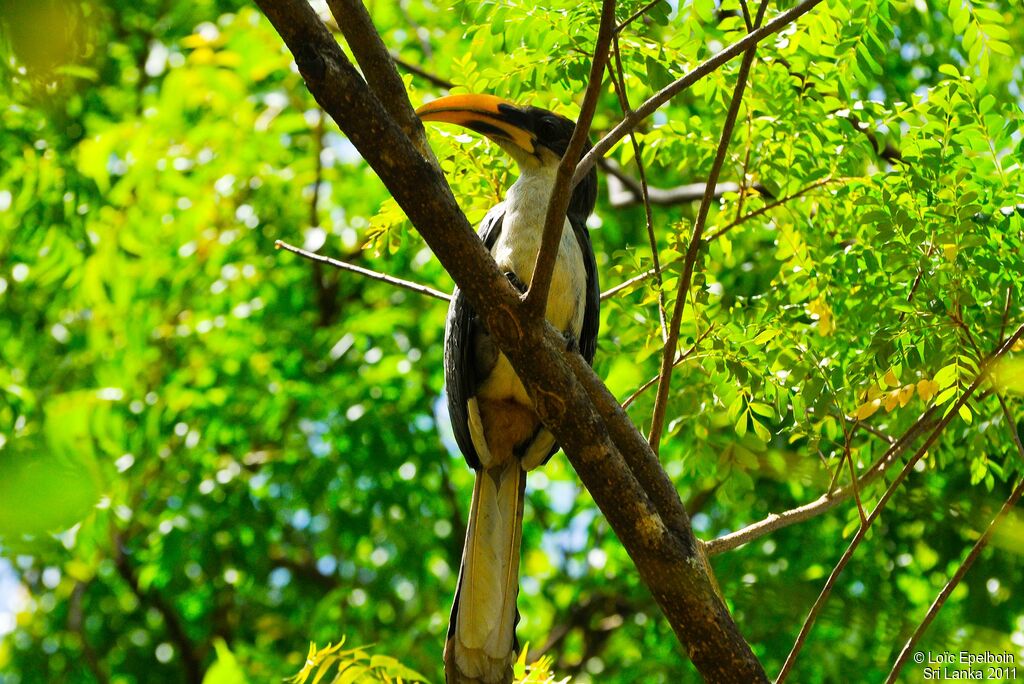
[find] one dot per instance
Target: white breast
(516, 250)
(517, 247)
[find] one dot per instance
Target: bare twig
(76, 624)
(457, 520)
(747, 21)
(870, 429)
(554, 221)
(826, 591)
(693, 248)
(397, 282)
(326, 291)
(745, 169)
(421, 33)
(1006, 311)
(652, 104)
(432, 79)
(746, 217)
(848, 457)
(917, 282)
(972, 556)
(611, 292)
(415, 69)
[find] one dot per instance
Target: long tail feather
(481, 634)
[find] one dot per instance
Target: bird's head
(532, 136)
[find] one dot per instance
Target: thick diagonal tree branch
(571, 401)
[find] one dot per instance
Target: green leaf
(225, 669)
(741, 424)
(657, 75)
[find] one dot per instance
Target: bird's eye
(545, 129)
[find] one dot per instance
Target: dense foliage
(212, 453)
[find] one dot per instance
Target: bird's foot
(516, 282)
(572, 343)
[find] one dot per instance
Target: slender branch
(636, 15)
(611, 292)
(1006, 311)
(326, 292)
(76, 624)
(829, 500)
(397, 282)
(972, 556)
(745, 169)
(870, 429)
(848, 457)
(421, 33)
(771, 205)
(302, 567)
(458, 522)
(432, 79)
(693, 248)
(747, 21)
(917, 283)
(580, 616)
(620, 89)
(682, 357)
(652, 104)
(415, 69)
(554, 221)
(826, 591)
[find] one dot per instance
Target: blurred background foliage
(212, 453)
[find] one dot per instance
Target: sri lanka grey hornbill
(492, 415)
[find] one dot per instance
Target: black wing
(592, 312)
(462, 376)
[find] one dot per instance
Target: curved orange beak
(498, 119)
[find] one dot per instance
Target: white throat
(526, 205)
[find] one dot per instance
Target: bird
(494, 421)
